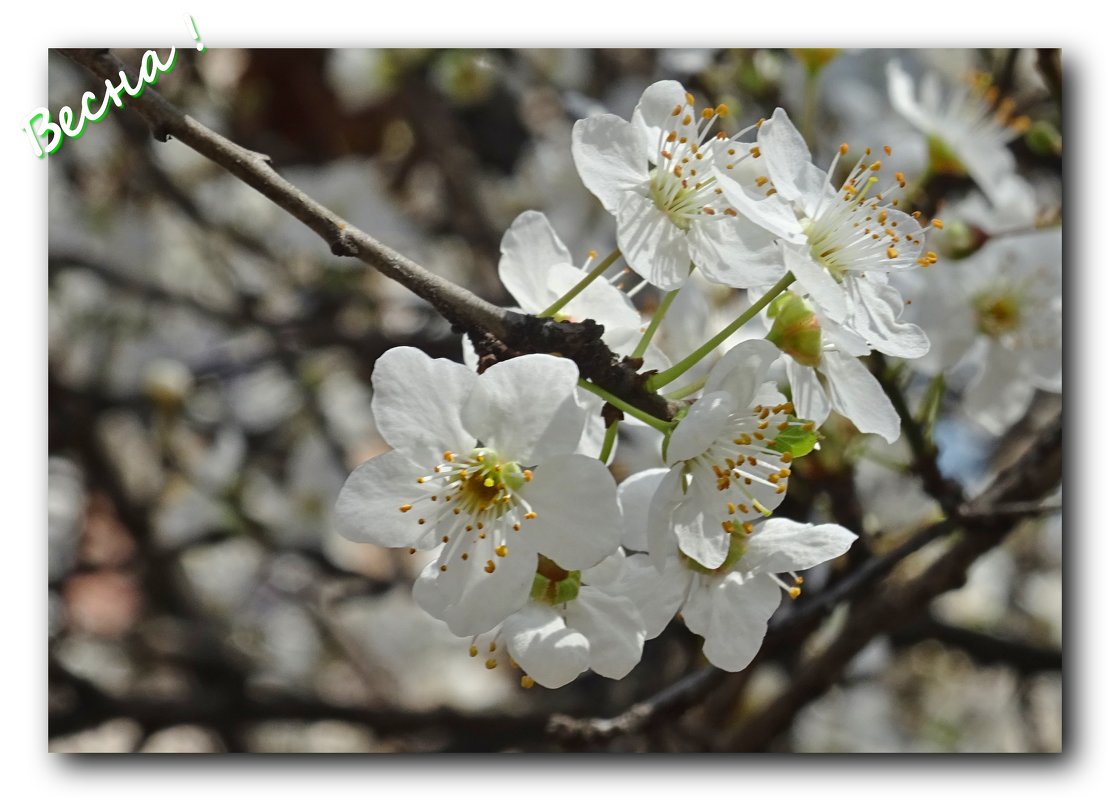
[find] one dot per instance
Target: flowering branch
(993, 515)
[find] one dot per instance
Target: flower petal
(540, 642)
(810, 400)
(655, 112)
(701, 426)
(857, 395)
(732, 615)
(528, 250)
(635, 494)
(600, 301)
(525, 408)
(470, 600)
(613, 627)
(790, 163)
(369, 505)
(658, 595)
(697, 525)
(577, 520)
(652, 245)
(999, 395)
(417, 402)
(610, 156)
(881, 307)
(780, 545)
(816, 280)
(661, 539)
(742, 370)
(735, 252)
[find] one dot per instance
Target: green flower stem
(667, 376)
(576, 290)
(607, 444)
(689, 389)
(626, 407)
(656, 319)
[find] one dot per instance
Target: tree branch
(497, 333)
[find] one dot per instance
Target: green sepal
(795, 439)
(557, 592)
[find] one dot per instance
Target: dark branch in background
(984, 648)
(497, 332)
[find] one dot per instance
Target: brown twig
(511, 333)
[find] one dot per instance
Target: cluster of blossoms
(536, 553)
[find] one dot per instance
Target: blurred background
(209, 390)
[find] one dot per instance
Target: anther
(490, 566)
(844, 148)
(502, 550)
(721, 110)
(938, 224)
(406, 507)
(527, 682)
(473, 650)
(491, 663)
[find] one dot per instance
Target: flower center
(682, 185)
(744, 466)
(997, 315)
(737, 547)
(472, 505)
(855, 230)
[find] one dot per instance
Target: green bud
(796, 330)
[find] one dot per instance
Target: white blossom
(838, 242)
(484, 466)
(1001, 311)
(573, 621)
(657, 174)
(967, 129)
(730, 605)
(724, 472)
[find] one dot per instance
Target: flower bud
(796, 330)
(814, 59)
